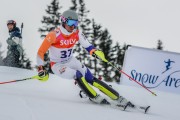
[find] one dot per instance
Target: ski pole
(22, 25)
(34, 77)
(131, 78)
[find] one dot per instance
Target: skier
(14, 45)
(60, 43)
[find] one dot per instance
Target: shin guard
(83, 84)
(106, 89)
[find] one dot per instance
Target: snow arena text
(152, 81)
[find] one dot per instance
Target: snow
(58, 99)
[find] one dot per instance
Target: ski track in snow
(58, 99)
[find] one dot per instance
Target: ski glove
(99, 54)
(42, 73)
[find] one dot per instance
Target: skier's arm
(49, 39)
(10, 42)
(85, 43)
(90, 48)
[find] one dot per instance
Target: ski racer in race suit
(60, 43)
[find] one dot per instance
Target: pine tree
(75, 5)
(159, 45)
(1, 57)
(49, 23)
(84, 21)
(25, 62)
(94, 39)
(117, 57)
(53, 20)
(106, 46)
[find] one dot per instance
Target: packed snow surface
(58, 99)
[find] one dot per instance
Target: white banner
(153, 68)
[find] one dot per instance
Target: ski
(128, 107)
(143, 109)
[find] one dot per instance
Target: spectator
(14, 45)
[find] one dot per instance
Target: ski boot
(99, 100)
(123, 102)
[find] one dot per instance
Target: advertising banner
(155, 69)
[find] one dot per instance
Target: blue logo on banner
(152, 81)
(168, 65)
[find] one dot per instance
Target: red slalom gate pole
(131, 78)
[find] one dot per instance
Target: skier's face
(10, 26)
(69, 28)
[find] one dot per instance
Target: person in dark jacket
(14, 45)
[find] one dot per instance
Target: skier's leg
(64, 71)
(106, 89)
(67, 71)
(102, 86)
(110, 92)
(83, 84)
(90, 92)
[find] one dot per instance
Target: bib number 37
(66, 53)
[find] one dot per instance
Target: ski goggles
(70, 22)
